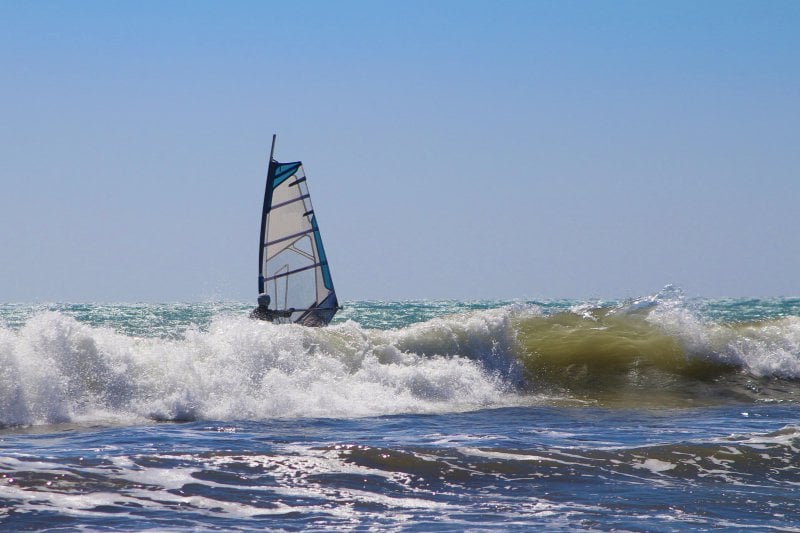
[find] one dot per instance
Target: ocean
(663, 413)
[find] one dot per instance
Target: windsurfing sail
(292, 266)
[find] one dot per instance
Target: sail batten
(293, 267)
(293, 200)
(295, 271)
(288, 237)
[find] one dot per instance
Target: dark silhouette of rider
(262, 312)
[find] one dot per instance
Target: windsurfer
(262, 312)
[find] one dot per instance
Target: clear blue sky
(454, 149)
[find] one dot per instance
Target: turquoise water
(661, 413)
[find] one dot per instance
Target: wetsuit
(263, 313)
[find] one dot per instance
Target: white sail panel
(294, 269)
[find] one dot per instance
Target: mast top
(272, 150)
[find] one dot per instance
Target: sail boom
(293, 310)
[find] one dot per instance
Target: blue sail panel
(284, 171)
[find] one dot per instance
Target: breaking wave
(656, 351)
(55, 369)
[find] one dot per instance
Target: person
(263, 312)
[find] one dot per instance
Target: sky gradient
(454, 149)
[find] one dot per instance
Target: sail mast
(272, 150)
(264, 212)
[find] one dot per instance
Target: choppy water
(656, 414)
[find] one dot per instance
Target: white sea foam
(56, 369)
(655, 466)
